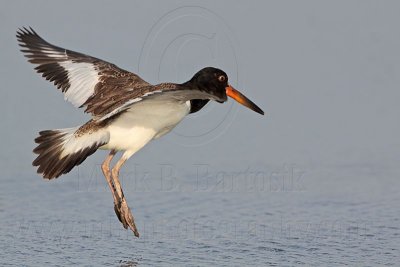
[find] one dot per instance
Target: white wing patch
(72, 144)
(48, 51)
(83, 78)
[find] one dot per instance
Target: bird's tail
(61, 150)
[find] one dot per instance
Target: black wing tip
(27, 36)
(24, 31)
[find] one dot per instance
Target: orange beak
(239, 97)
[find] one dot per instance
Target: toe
(118, 213)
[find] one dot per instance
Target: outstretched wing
(84, 80)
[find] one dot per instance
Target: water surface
(321, 216)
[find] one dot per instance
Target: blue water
(277, 216)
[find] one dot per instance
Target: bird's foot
(117, 209)
(125, 216)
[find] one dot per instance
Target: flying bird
(126, 111)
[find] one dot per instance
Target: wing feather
(83, 79)
(104, 89)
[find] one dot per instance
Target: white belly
(143, 122)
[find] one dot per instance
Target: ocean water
(275, 216)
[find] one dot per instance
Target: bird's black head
(214, 82)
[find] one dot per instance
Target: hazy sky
(325, 72)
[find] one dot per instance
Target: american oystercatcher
(127, 112)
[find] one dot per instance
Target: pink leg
(125, 216)
(105, 167)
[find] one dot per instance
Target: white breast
(143, 122)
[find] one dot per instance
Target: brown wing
(84, 80)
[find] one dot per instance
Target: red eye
(221, 78)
